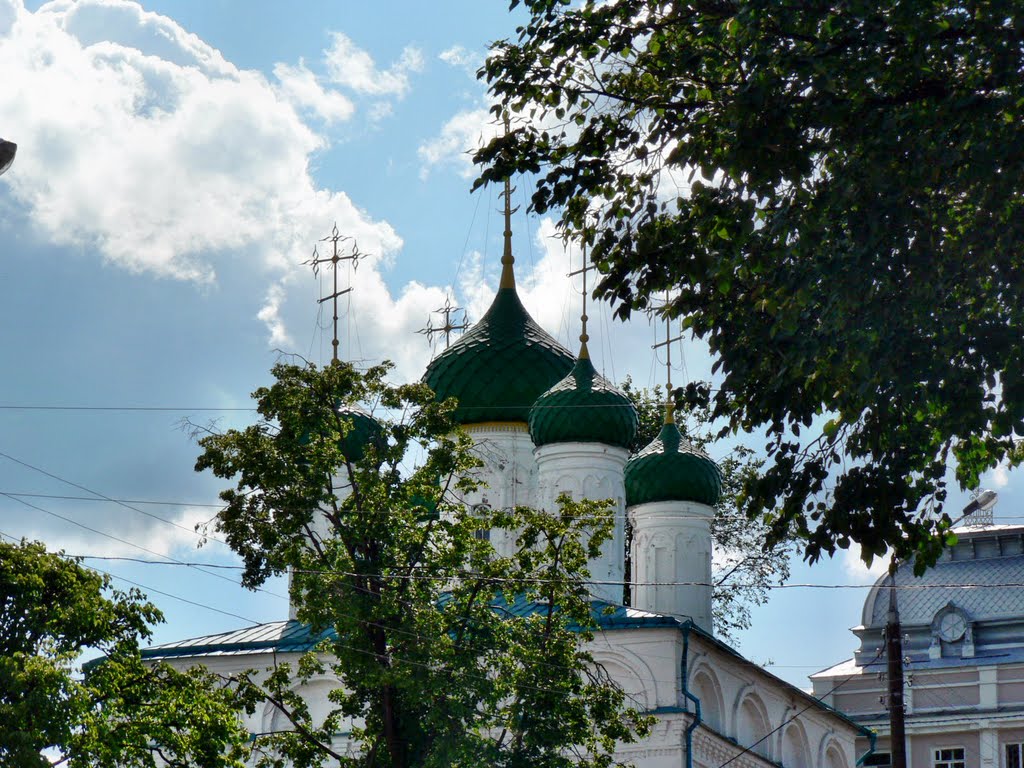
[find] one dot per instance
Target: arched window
(481, 510)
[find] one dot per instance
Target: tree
(447, 654)
(834, 194)
(750, 569)
(124, 713)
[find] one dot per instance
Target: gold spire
(670, 406)
(584, 338)
(508, 277)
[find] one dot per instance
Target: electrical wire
(817, 701)
(102, 496)
(537, 580)
(202, 568)
(148, 589)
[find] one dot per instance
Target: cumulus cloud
(115, 531)
(462, 58)
(460, 136)
(350, 66)
(152, 149)
(859, 573)
(303, 89)
(1000, 476)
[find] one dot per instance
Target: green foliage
(435, 657)
(52, 610)
(754, 564)
(834, 194)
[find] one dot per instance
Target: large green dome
(583, 408)
(500, 366)
(671, 469)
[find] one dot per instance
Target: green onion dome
(365, 430)
(671, 469)
(500, 366)
(583, 408)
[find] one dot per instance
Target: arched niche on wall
(705, 686)
(314, 692)
(831, 754)
(752, 725)
(632, 675)
(794, 748)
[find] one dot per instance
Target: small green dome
(365, 430)
(583, 408)
(500, 366)
(671, 469)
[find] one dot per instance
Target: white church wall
(671, 553)
(590, 471)
(508, 477)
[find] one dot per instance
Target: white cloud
(350, 66)
(855, 569)
(162, 158)
(1000, 476)
(153, 151)
(302, 89)
(122, 532)
(463, 134)
(462, 58)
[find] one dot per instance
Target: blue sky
(177, 162)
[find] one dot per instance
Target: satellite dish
(7, 151)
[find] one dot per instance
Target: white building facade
(962, 624)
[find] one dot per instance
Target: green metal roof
(500, 366)
(295, 637)
(583, 408)
(671, 469)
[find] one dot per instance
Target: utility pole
(894, 658)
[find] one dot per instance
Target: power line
(199, 567)
(112, 500)
(143, 408)
(816, 701)
(103, 496)
(152, 589)
(440, 576)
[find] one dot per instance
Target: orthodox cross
(449, 325)
(335, 258)
(667, 344)
(587, 267)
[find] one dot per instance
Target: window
(481, 510)
(879, 759)
(1014, 756)
(949, 757)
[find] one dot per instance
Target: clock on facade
(952, 627)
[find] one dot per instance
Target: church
(544, 422)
